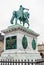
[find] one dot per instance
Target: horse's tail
(15, 14)
(12, 19)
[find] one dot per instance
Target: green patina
(11, 43)
(24, 42)
(20, 15)
(33, 44)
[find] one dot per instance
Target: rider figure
(21, 9)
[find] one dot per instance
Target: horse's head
(26, 15)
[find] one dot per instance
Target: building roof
(1, 37)
(16, 27)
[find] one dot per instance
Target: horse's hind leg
(15, 21)
(28, 25)
(20, 22)
(23, 23)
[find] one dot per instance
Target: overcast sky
(36, 10)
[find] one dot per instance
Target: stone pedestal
(20, 53)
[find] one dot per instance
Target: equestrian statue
(20, 15)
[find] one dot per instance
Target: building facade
(41, 50)
(1, 43)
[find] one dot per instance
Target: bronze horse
(22, 17)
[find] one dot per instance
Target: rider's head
(20, 5)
